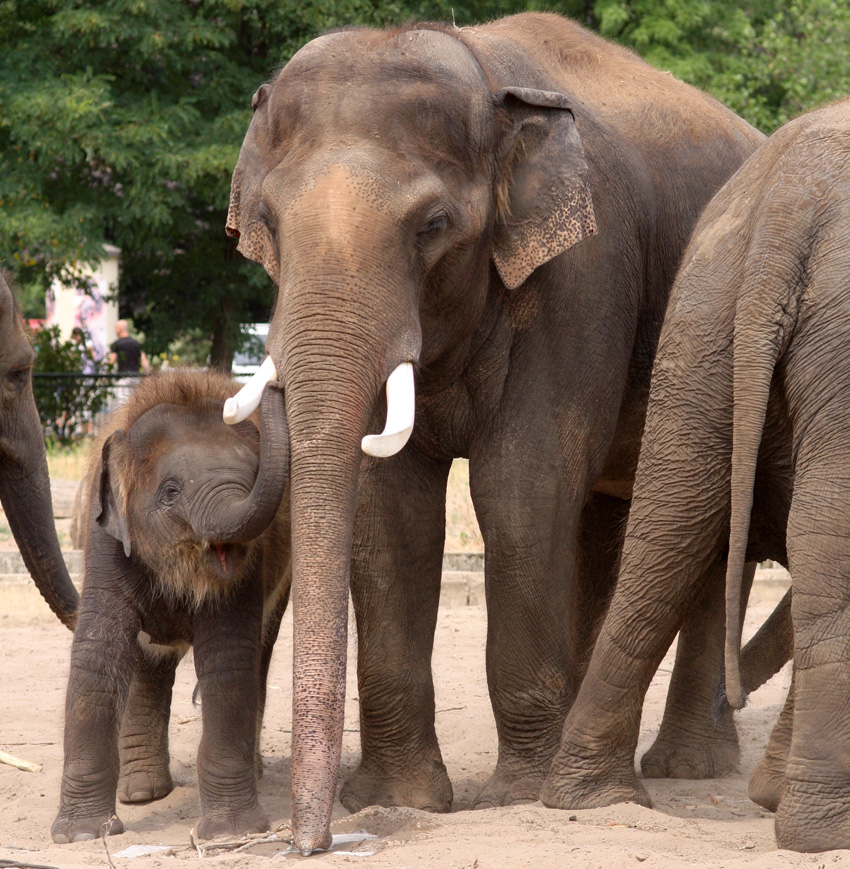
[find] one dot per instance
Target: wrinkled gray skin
(425, 195)
(24, 483)
(753, 352)
(765, 654)
(182, 547)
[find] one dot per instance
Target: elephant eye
(169, 492)
(18, 378)
(436, 224)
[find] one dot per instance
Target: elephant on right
(745, 456)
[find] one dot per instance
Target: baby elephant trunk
(244, 520)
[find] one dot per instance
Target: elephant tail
(765, 318)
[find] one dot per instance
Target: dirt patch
(708, 823)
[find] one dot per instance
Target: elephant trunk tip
(307, 843)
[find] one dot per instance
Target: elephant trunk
(25, 495)
(244, 520)
(333, 384)
(325, 467)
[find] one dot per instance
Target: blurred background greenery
(121, 121)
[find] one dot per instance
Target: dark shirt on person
(129, 354)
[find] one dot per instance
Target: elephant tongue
(221, 552)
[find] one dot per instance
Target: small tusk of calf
(247, 400)
(401, 408)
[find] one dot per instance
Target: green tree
(768, 60)
(121, 121)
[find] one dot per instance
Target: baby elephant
(186, 542)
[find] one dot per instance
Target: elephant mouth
(201, 571)
(224, 559)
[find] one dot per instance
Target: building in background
(95, 311)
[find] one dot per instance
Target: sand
(693, 823)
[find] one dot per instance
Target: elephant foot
(813, 816)
(580, 779)
(67, 828)
(140, 785)
(431, 792)
(691, 755)
(230, 822)
(766, 782)
(509, 789)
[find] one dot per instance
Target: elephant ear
(110, 504)
(257, 157)
(543, 196)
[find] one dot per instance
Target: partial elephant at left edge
(24, 481)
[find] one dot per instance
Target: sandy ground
(705, 824)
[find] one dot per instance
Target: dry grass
(68, 463)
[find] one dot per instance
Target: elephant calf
(185, 542)
(746, 450)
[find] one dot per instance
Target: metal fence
(73, 404)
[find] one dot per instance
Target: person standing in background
(126, 352)
(87, 357)
(87, 368)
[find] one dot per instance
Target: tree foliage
(121, 121)
(768, 60)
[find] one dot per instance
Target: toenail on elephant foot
(711, 758)
(363, 789)
(144, 786)
(67, 829)
(505, 789)
(233, 823)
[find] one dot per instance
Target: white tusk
(401, 406)
(247, 400)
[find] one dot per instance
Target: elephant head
(186, 494)
(24, 481)
(381, 176)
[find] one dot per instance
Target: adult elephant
(745, 450)
(419, 196)
(24, 482)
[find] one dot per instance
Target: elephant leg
(594, 765)
(530, 526)
(770, 649)
(227, 642)
(814, 811)
(600, 541)
(690, 742)
(270, 632)
(672, 551)
(768, 778)
(143, 741)
(395, 586)
(103, 656)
